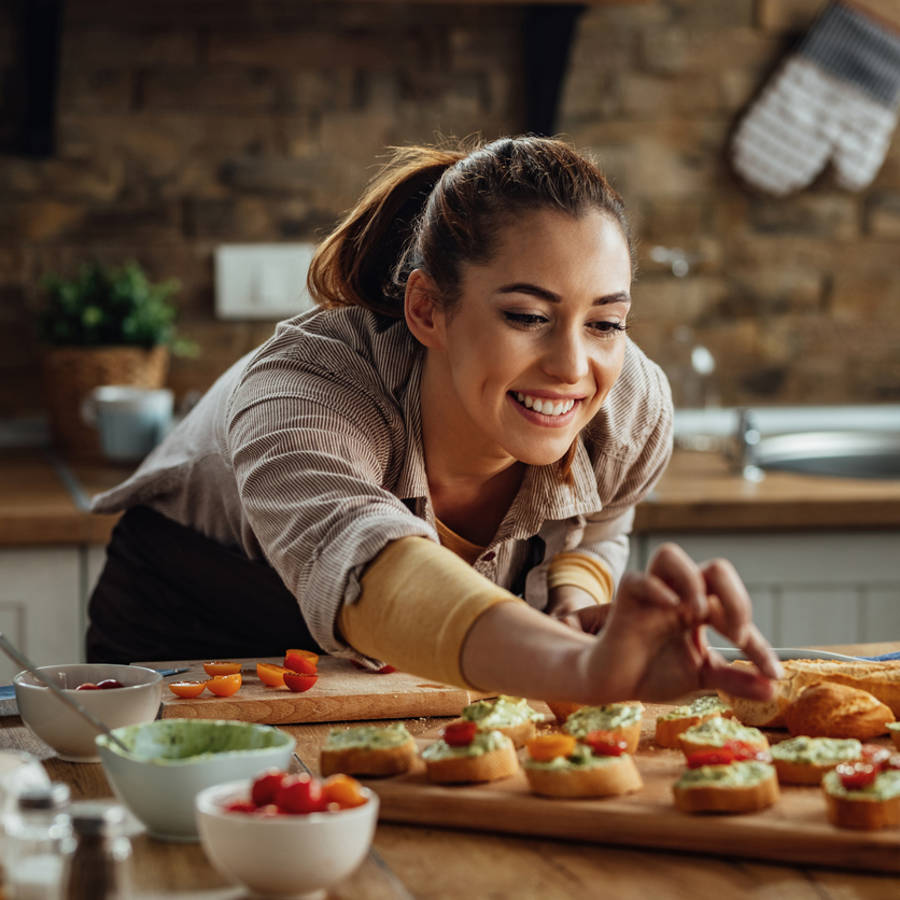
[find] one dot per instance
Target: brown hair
(434, 209)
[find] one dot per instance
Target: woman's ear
(423, 311)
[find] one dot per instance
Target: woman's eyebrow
(523, 287)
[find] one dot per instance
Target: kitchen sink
(845, 454)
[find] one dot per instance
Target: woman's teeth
(547, 407)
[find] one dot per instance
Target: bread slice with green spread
(804, 760)
(738, 787)
(622, 721)
(511, 716)
(866, 807)
(487, 756)
(678, 720)
(715, 733)
(894, 731)
(368, 750)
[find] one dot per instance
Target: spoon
(19, 658)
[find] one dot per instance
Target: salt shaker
(99, 869)
(39, 839)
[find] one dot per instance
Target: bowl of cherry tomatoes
(115, 694)
(169, 761)
(284, 835)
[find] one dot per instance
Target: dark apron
(169, 593)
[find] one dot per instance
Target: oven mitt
(835, 98)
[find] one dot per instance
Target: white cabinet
(40, 604)
(807, 587)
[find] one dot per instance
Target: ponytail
(356, 264)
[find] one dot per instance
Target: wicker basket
(71, 373)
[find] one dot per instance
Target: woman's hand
(653, 645)
(577, 608)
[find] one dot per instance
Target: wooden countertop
(43, 500)
(410, 861)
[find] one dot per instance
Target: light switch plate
(262, 281)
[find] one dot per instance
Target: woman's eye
(609, 329)
(525, 320)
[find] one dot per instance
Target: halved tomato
(460, 734)
(220, 667)
(271, 674)
(545, 747)
(303, 661)
(187, 689)
(343, 790)
(298, 682)
(224, 685)
(605, 743)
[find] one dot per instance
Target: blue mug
(131, 420)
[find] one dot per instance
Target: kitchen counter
(43, 500)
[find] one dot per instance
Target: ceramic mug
(131, 420)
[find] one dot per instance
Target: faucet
(746, 439)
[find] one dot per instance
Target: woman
(463, 421)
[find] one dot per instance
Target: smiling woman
(463, 425)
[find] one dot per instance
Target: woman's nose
(566, 358)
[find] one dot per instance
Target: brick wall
(185, 125)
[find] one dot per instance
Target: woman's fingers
(673, 566)
(742, 682)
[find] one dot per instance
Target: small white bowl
(71, 736)
(171, 760)
(283, 856)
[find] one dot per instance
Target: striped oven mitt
(835, 98)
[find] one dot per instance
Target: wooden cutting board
(794, 830)
(342, 693)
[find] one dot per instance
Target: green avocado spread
(737, 774)
(602, 718)
(501, 712)
(483, 742)
(885, 786)
(893, 726)
(580, 758)
(706, 705)
(717, 731)
(820, 751)
(367, 737)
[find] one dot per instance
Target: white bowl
(283, 856)
(71, 736)
(171, 760)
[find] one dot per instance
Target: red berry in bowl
(265, 787)
(88, 686)
(109, 683)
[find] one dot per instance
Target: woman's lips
(543, 419)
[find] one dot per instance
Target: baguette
(715, 733)
(621, 722)
(511, 716)
(804, 760)
(876, 806)
(838, 711)
(490, 757)
(368, 750)
(669, 726)
(584, 775)
(735, 788)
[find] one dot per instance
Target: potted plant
(107, 325)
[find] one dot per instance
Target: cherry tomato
(187, 689)
(88, 686)
(303, 661)
(271, 674)
(460, 734)
(343, 790)
(856, 775)
(742, 751)
(384, 670)
(721, 757)
(265, 787)
(300, 794)
(875, 754)
(605, 743)
(109, 683)
(298, 682)
(893, 761)
(221, 668)
(224, 685)
(545, 747)
(240, 806)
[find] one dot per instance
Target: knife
(7, 691)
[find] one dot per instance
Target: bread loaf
(838, 711)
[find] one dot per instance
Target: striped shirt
(308, 454)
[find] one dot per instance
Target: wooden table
(434, 863)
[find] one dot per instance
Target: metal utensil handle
(25, 663)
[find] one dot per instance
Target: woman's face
(537, 338)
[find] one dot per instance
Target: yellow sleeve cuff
(581, 571)
(417, 604)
